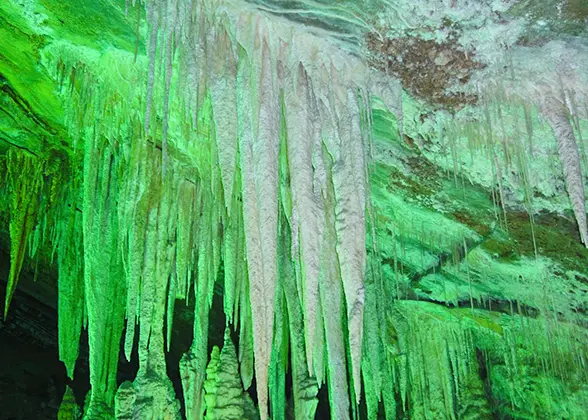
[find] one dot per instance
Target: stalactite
(529, 128)
(255, 121)
(257, 178)
(523, 168)
(305, 201)
(185, 237)
(153, 19)
(70, 262)
(259, 166)
(279, 359)
(104, 286)
(169, 33)
(372, 363)
(331, 291)
(193, 363)
(434, 383)
(245, 336)
(24, 178)
(574, 111)
(152, 383)
(378, 377)
(556, 113)
(223, 90)
(304, 386)
(135, 211)
(234, 258)
(349, 186)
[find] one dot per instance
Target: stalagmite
(124, 403)
(225, 398)
(68, 410)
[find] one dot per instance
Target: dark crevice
(486, 381)
(6, 88)
(18, 146)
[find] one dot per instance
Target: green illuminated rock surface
(381, 204)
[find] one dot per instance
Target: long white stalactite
(558, 116)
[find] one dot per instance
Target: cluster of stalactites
(291, 119)
(24, 179)
(30, 186)
(506, 132)
(436, 356)
(268, 181)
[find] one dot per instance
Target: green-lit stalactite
(437, 354)
(208, 251)
(234, 254)
(279, 360)
(70, 283)
(157, 233)
(156, 277)
(134, 212)
(104, 284)
(24, 182)
(507, 147)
